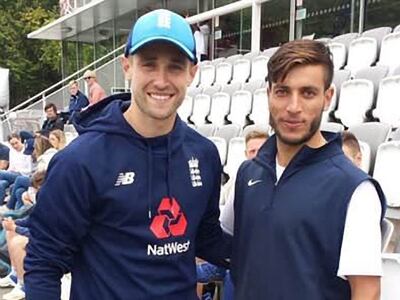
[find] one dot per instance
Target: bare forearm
(365, 287)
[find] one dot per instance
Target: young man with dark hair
(351, 148)
(53, 121)
(134, 199)
(301, 207)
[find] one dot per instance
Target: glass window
(382, 13)
(274, 23)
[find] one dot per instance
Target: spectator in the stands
(17, 236)
(57, 139)
(53, 121)
(96, 92)
(77, 101)
(351, 148)
(19, 164)
(4, 156)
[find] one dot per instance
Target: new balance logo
(125, 178)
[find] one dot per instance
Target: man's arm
(97, 95)
(365, 287)
(58, 225)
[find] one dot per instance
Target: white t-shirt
(19, 162)
(361, 246)
(200, 46)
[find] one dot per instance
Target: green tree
(34, 64)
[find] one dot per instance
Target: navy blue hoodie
(288, 234)
(126, 215)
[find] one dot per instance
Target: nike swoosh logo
(251, 182)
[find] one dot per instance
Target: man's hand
(9, 224)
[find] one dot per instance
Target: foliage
(34, 64)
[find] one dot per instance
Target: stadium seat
(332, 106)
(387, 171)
(340, 76)
(241, 103)
(206, 130)
(233, 58)
(363, 52)
(374, 74)
(255, 127)
(231, 88)
(339, 54)
(390, 49)
(387, 233)
(270, 51)
(332, 127)
(259, 112)
(259, 68)
(227, 132)
(391, 276)
(377, 33)
(253, 85)
(186, 109)
(193, 91)
(324, 40)
(365, 156)
(397, 28)
(356, 98)
(373, 133)
(207, 75)
(241, 70)
(236, 155)
(220, 106)
(201, 109)
(221, 145)
(223, 73)
(345, 39)
(387, 104)
(196, 79)
(251, 55)
(211, 90)
(396, 135)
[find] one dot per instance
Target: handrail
(61, 82)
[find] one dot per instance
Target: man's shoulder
(199, 141)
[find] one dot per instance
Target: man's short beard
(314, 127)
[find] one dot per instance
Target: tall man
(302, 209)
(131, 202)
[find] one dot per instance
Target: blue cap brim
(190, 55)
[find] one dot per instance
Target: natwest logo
(170, 221)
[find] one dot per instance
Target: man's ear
(192, 73)
(126, 66)
(328, 95)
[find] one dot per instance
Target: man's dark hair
(299, 53)
(51, 105)
(13, 135)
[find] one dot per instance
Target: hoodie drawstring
(149, 178)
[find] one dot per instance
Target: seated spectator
(19, 164)
(4, 156)
(53, 121)
(351, 148)
(77, 101)
(96, 92)
(207, 272)
(57, 139)
(42, 153)
(17, 236)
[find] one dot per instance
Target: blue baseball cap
(162, 25)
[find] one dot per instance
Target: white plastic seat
(390, 49)
(365, 156)
(339, 54)
(223, 73)
(259, 68)
(206, 130)
(201, 109)
(220, 105)
(260, 111)
(241, 70)
(251, 55)
(207, 75)
(227, 132)
(252, 86)
(387, 104)
(231, 88)
(196, 79)
(387, 171)
(363, 52)
(233, 58)
(221, 145)
(186, 108)
(236, 155)
(270, 51)
(356, 98)
(391, 276)
(241, 103)
(387, 233)
(332, 127)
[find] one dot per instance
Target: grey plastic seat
(373, 133)
(227, 132)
